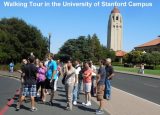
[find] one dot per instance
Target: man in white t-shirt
(75, 89)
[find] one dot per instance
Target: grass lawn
(135, 70)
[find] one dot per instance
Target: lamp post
(49, 44)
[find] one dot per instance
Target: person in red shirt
(87, 80)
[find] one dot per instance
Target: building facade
(115, 30)
(150, 46)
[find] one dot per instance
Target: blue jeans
(79, 87)
(93, 92)
(108, 89)
(75, 92)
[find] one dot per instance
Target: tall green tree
(134, 57)
(85, 48)
(156, 57)
(18, 39)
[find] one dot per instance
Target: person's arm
(111, 73)
(76, 76)
(54, 71)
(98, 76)
(94, 70)
(36, 70)
(111, 76)
(19, 71)
(88, 75)
(76, 79)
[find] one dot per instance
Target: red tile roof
(120, 53)
(150, 43)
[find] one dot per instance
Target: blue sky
(140, 24)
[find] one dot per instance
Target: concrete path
(46, 109)
(122, 103)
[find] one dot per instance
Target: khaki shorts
(100, 92)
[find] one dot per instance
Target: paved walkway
(57, 109)
(122, 103)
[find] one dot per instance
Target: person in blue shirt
(11, 67)
(51, 76)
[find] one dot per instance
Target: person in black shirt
(109, 75)
(29, 88)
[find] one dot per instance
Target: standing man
(75, 89)
(29, 88)
(51, 76)
(69, 83)
(101, 76)
(94, 72)
(109, 75)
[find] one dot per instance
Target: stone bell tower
(115, 30)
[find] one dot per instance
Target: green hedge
(117, 64)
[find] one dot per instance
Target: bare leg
(32, 102)
(21, 99)
(89, 97)
(43, 95)
(86, 97)
(101, 105)
(52, 95)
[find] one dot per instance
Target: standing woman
(69, 83)
(41, 80)
(37, 61)
(87, 80)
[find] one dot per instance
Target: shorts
(87, 87)
(100, 92)
(49, 85)
(29, 90)
(41, 84)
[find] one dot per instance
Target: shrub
(149, 67)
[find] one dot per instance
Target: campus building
(115, 30)
(150, 46)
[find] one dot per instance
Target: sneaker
(51, 103)
(17, 108)
(68, 109)
(34, 109)
(88, 103)
(38, 95)
(83, 103)
(99, 112)
(108, 98)
(75, 103)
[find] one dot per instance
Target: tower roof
(115, 10)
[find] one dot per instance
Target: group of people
(77, 77)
